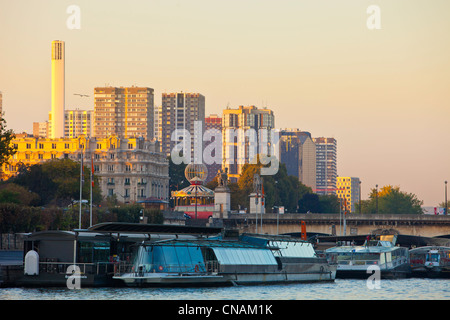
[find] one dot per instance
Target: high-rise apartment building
(298, 153)
(237, 144)
(78, 122)
(157, 134)
(348, 189)
(182, 110)
(123, 112)
(214, 122)
(41, 129)
(58, 90)
(326, 168)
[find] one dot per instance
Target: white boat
(378, 252)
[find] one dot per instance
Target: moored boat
(430, 261)
(377, 253)
(250, 259)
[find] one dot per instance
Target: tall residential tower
(326, 160)
(124, 112)
(181, 110)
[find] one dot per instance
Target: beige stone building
(131, 169)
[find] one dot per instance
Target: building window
(127, 181)
(41, 146)
(53, 145)
(96, 168)
(66, 146)
(28, 145)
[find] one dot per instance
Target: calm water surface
(348, 289)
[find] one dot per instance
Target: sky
(382, 93)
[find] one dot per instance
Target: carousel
(196, 201)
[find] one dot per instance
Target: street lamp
(446, 203)
(376, 195)
(359, 196)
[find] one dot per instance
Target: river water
(340, 289)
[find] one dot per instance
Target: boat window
(171, 258)
(293, 249)
(94, 251)
(184, 258)
(244, 256)
(196, 256)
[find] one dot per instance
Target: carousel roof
(190, 191)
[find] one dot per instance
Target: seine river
(340, 289)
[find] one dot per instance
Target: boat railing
(210, 267)
(356, 262)
(84, 268)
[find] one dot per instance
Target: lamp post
(376, 195)
(446, 203)
(359, 196)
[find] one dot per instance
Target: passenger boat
(430, 261)
(250, 259)
(378, 251)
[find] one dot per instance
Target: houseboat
(52, 257)
(380, 251)
(221, 261)
(430, 261)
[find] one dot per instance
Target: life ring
(196, 268)
(160, 268)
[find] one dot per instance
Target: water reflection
(341, 289)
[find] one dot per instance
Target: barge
(245, 260)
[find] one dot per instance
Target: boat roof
(211, 243)
(384, 246)
(120, 227)
(428, 248)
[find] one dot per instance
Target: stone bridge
(335, 224)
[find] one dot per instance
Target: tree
(7, 149)
(391, 200)
(14, 193)
(57, 182)
(309, 203)
(177, 179)
(279, 189)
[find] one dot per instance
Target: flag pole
(92, 184)
(81, 186)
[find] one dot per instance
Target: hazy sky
(383, 94)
